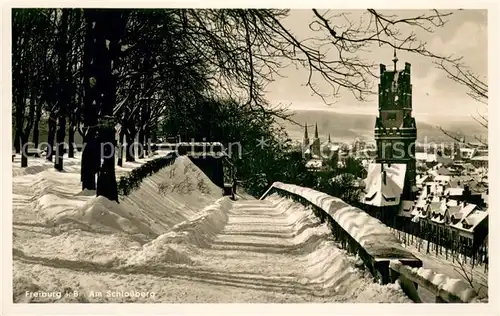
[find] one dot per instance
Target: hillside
(347, 127)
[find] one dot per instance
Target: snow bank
(37, 165)
(77, 227)
(195, 232)
(101, 214)
(370, 233)
(79, 247)
(170, 196)
(442, 285)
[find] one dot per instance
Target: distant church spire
(395, 59)
(306, 136)
(315, 146)
(329, 139)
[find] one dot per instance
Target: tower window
(391, 116)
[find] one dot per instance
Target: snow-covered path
(260, 251)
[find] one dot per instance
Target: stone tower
(395, 128)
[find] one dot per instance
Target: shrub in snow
(134, 178)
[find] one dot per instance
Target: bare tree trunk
(25, 134)
(75, 83)
(446, 251)
(71, 139)
(64, 97)
(89, 161)
(24, 153)
(36, 132)
(130, 152)
(17, 141)
(141, 144)
(19, 83)
(120, 148)
(109, 29)
(147, 147)
(61, 135)
(51, 136)
(91, 99)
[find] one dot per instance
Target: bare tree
(477, 90)
(467, 273)
(461, 74)
(374, 29)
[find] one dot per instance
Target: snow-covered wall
(371, 234)
(448, 289)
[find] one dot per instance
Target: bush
(133, 180)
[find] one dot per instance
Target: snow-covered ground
(175, 239)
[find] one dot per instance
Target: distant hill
(347, 127)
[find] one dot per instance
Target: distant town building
(480, 159)
(316, 145)
(429, 158)
(329, 149)
(318, 153)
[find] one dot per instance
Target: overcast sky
(464, 34)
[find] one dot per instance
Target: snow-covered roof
(452, 202)
(475, 218)
(452, 210)
(471, 219)
(405, 208)
(480, 158)
(331, 146)
(468, 166)
(463, 213)
(454, 191)
(419, 156)
(435, 207)
(314, 163)
(422, 179)
(388, 192)
(442, 178)
(443, 171)
(421, 203)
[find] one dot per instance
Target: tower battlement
(395, 126)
